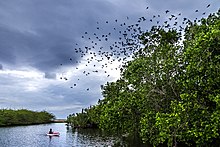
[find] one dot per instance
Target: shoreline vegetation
(9, 117)
(169, 94)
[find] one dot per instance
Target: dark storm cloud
(42, 33)
(6, 49)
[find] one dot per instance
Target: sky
(56, 54)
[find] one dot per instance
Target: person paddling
(50, 132)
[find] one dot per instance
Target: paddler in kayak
(50, 132)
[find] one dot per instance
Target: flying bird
(120, 42)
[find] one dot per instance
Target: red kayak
(54, 134)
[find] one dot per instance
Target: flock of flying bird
(119, 43)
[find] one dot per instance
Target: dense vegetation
(170, 92)
(10, 117)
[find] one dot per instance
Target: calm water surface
(35, 136)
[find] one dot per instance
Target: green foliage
(23, 117)
(88, 118)
(170, 92)
(192, 115)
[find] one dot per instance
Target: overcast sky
(43, 59)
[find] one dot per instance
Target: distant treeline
(9, 117)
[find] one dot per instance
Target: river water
(35, 136)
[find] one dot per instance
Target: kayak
(54, 134)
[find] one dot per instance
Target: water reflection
(89, 137)
(95, 137)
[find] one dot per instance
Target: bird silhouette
(104, 46)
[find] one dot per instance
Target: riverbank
(9, 117)
(59, 121)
